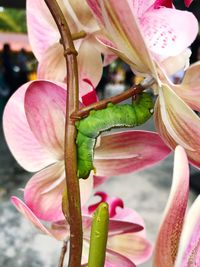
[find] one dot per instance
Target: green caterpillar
(98, 121)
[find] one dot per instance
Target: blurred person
(8, 73)
(23, 69)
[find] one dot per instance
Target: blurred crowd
(16, 69)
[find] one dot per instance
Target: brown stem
(62, 254)
(72, 104)
(103, 103)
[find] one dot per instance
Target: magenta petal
(43, 193)
(128, 151)
(45, 111)
(29, 153)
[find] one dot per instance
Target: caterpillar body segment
(98, 121)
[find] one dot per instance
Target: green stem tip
(99, 236)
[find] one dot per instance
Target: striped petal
(29, 215)
(122, 26)
(128, 151)
(178, 124)
(52, 65)
(90, 65)
(189, 246)
(114, 259)
(45, 111)
(43, 193)
(25, 147)
(170, 230)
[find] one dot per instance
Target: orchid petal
(123, 28)
(48, 99)
(43, 193)
(41, 27)
(90, 65)
(125, 32)
(29, 215)
(114, 259)
(177, 123)
(29, 153)
(171, 227)
(136, 248)
(189, 89)
(163, 30)
(189, 245)
(82, 14)
(52, 64)
(129, 151)
(188, 2)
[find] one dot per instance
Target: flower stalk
(72, 104)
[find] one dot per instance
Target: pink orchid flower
(127, 244)
(145, 33)
(44, 39)
(34, 123)
(142, 30)
(179, 235)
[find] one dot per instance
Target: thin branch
(134, 90)
(62, 254)
(72, 104)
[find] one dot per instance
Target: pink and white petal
(52, 64)
(124, 30)
(189, 89)
(86, 187)
(136, 248)
(82, 15)
(114, 259)
(29, 215)
(189, 245)
(90, 66)
(163, 30)
(170, 230)
(129, 151)
(96, 9)
(45, 111)
(41, 27)
(29, 153)
(43, 193)
(178, 124)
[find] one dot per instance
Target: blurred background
(146, 191)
